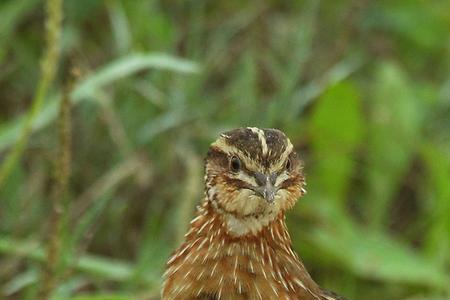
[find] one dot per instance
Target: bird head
(253, 174)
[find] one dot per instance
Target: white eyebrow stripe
(262, 139)
(232, 150)
(225, 147)
(287, 151)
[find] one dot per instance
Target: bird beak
(266, 187)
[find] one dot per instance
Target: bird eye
(235, 164)
(288, 164)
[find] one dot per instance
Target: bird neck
(209, 241)
(214, 223)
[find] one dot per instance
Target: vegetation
(107, 112)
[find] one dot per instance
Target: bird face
(253, 173)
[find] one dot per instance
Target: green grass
(361, 88)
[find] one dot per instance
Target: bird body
(238, 246)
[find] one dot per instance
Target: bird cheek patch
(246, 178)
(242, 202)
(286, 199)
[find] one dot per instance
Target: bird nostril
(273, 178)
(261, 179)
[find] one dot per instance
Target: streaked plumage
(238, 246)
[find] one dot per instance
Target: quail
(238, 245)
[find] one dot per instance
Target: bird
(238, 245)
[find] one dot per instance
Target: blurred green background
(362, 88)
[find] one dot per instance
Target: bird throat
(252, 224)
(238, 224)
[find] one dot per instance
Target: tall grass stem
(49, 66)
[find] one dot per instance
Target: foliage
(362, 88)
